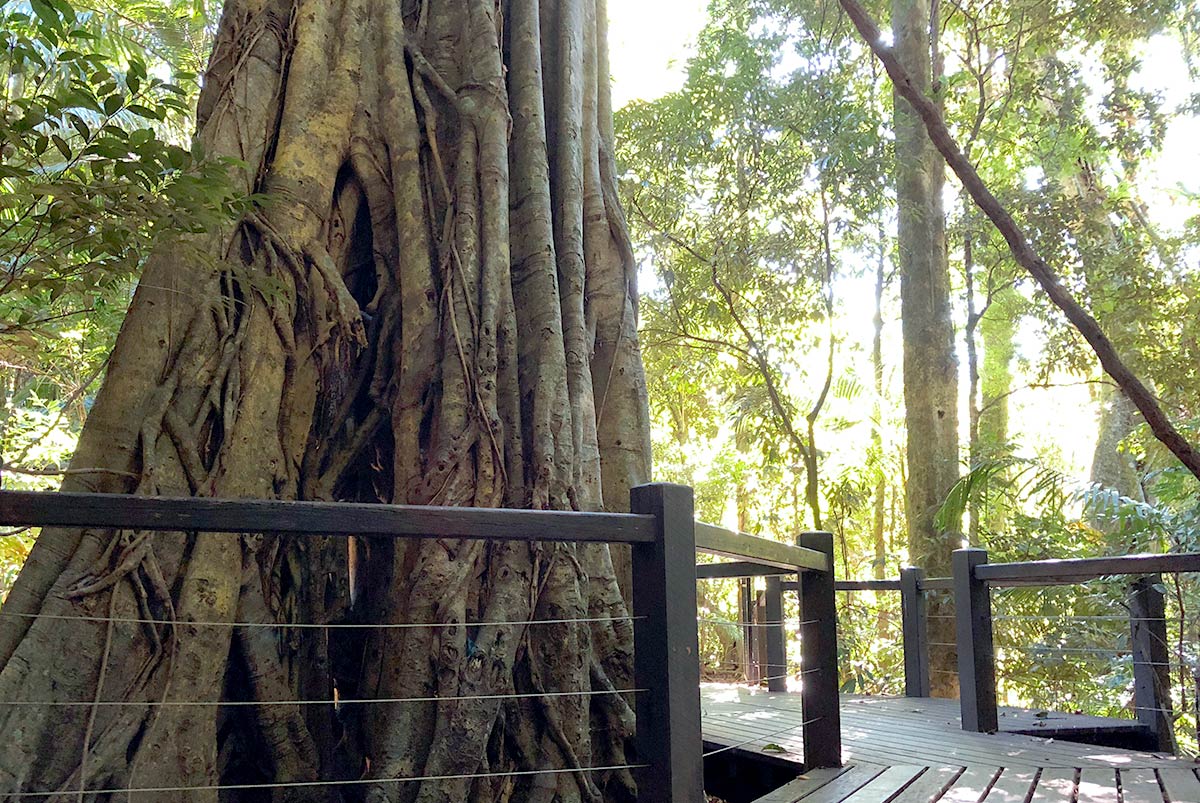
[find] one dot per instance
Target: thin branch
(1043, 386)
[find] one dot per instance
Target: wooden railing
(974, 577)
(663, 536)
(971, 584)
(811, 562)
(912, 586)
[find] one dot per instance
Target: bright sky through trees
(651, 43)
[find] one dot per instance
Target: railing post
(915, 624)
(746, 617)
(819, 660)
(976, 650)
(666, 649)
(776, 638)
(1151, 673)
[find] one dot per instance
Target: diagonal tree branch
(1021, 249)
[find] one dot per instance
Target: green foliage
(759, 195)
(746, 190)
(90, 179)
(95, 112)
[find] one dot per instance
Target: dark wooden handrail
(743, 568)
(867, 585)
(729, 543)
(1073, 570)
(206, 514)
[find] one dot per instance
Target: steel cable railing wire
(724, 670)
(799, 673)
(1064, 625)
(870, 635)
(330, 626)
(780, 623)
(336, 702)
(246, 787)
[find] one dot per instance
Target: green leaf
(144, 111)
(79, 125)
(62, 146)
(46, 13)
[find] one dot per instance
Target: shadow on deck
(909, 750)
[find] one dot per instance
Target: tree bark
(930, 365)
(1112, 467)
(435, 305)
(996, 325)
(879, 492)
(997, 330)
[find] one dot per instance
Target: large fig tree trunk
(434, 305)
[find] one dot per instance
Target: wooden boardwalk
(869, 783)
(907, 750)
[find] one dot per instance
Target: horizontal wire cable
(312, 625)
(757, 624)
(1059, 617)
(1087, 650)
(797, 673)
(309, 784)
(357, 701)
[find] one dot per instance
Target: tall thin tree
(930, 365)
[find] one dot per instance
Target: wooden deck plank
(930, 786)
(927, 714)
(1011, 719)
(1098, 786)
(913, 732)
(971, 786)
(1003, 749)
(806, 784)
(898, 731)
(1140, 786)
(1181, 785)
(845, 784)
(886, 785)
(1013, 786)
(963, 749)
(1056, 785)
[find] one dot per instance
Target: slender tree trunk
(1113, 467)
(971, 336)
(436, 306)
(879, 501)
(998, 331)
(930, 365)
